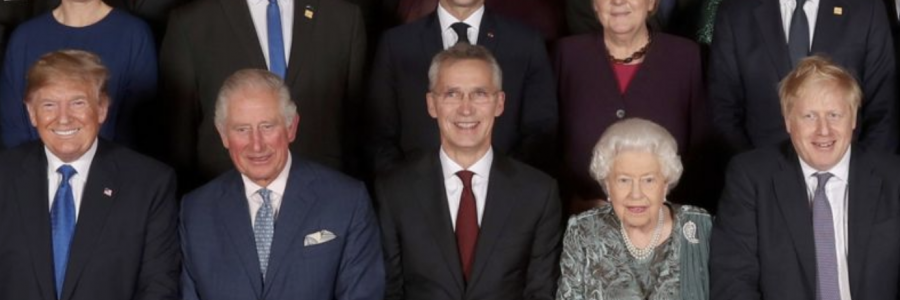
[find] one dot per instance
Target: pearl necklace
(642, 254)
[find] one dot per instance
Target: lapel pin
(309, 12)
(838, 11)
(107, 192)
(490, 34)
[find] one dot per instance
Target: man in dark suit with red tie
(466, 222)
(400, 127)
(82, 218)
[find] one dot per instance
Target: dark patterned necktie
(798, 42)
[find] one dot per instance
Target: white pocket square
(319, 237)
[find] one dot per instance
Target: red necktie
(466, 224)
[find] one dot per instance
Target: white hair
(464, 51)
(639, 135)
(254, 79)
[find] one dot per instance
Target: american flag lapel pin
(107, 192)
(309, 12)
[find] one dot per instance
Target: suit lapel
(32, 198)
(431, 37)
(431, 195)
(768, 19)
(238, 15)
(302, 39)
(94, 210)
(790, 192)
(234, 215)
(861, 211)
(299, 199)
(487, 34)
(497, 208)
(831, 26)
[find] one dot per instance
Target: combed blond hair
(818, 70)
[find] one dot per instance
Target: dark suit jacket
(518, 247)
(749, 57)
(400, 125)
(220, 258)
(125, 244)
(762, 240)
(209, 40)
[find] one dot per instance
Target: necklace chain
(642, 254)
(634, 56)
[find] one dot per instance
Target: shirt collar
(840, 171)
(82, 165)
(482, 167)
(259, 2)
(446, 19)
(794, 2)
(277, 186)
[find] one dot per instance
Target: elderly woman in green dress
(638, 245)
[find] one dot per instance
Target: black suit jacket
(400, 125)
(125, 244)
(209, 40)
(762, 240)
(749, 56)
(518, 247)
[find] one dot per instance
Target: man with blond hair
(816, 218)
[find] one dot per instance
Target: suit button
(620, 113)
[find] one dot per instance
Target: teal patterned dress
(596, 265)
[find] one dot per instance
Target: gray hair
(254, 79)
(463, 51)
(636, 135)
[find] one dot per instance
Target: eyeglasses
(454, 96)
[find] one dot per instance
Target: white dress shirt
(897, 6)
(454, 185)
(258, 14)
(811, 7)
(836, 191)
(449, 36)
(82, 166)
(277, 186)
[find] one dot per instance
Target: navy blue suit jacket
(220, 259)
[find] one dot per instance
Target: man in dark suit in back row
(316, 46)
(757, 42)
(82, 218)
(816, 218)
(464, 221)
(399, 123)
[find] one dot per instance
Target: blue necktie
(62, 219)
(264, 229)
(276, 42)
(827, 283)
